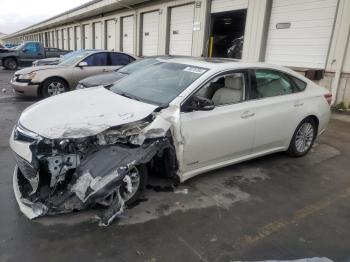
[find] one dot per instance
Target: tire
(303, 138)
(54, 86)
(10, 63)
(143, 176)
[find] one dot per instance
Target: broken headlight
(122, 134)
(23, 134)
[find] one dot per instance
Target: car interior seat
(231, 93)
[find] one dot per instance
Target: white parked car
(179, 117)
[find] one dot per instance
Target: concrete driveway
(274, 207)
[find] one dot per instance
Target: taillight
(328, 97)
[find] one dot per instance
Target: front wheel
(54, 86)
(303, 138)
(134, 184)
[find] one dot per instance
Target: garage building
(310, 36)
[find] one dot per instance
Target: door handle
(105, 70)
(247, 114)
(298, 104)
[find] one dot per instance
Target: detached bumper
(25, 89)
(28, 208)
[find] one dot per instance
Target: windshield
(159, 83)
(74, 59)
(137, 65)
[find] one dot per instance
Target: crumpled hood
(82, 113)
(37, 68)
(102, 79)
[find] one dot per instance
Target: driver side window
(220, 91)
(224, 90)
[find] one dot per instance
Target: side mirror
(24, 50)
(200, 103)
(83, 64)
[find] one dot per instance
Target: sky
(18, 14)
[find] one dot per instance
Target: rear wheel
(10, 63)
(54, 86)
(303, 138)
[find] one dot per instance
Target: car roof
(219, 64)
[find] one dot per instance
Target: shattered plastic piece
(181, 191)
(127, 180)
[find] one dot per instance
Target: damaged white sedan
(179, 118)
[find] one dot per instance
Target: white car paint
(204, 140)
(97, 110)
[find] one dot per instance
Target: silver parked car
(56, 79)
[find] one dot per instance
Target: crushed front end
(56, 176)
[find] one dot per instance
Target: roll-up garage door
(71, 38)
(128, 34)
(218, 6)
(65, 39)
(98, 35)
(87, 37)
(59, 38)
(181, 29)
(111, 34)
(150, 33)
(78, 37)
(52, 39)
(300, 32)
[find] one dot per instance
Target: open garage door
(128, 34)
(181, 30)
(87, 39)
(299, 34)
(78, 37)
(227, 34)
(71, 38)
(111, 34)
(150, 33)
(98, 35)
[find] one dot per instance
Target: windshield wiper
(127, 95)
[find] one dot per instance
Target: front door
(223, 133)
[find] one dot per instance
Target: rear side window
(119, 59)
(300, 84)
(271, 83)
(99, 59)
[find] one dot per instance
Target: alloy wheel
(304, 137)
(55, 88)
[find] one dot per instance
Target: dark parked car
(110, 78)
(26, 53)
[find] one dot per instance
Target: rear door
(276, 104)
(118, 60)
